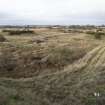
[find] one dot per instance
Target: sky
(52, 12)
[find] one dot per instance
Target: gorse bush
(97, 35)
(90, 32)
(6, 30)
(18, 32)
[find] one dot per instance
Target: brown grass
(64, 70)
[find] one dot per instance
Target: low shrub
(90, 32)
(5, 30)
(18, 32)
(97, 35)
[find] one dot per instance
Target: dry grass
(75, 85)
(63, 70)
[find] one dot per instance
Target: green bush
(5, 30)
(97, 35)
(90, 32)
(18, 32)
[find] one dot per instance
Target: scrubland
(52, 67)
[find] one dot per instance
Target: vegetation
(60, 57)
(7, 60)
(2, 38)
(97, 34)
(63, 69)
(18, 32)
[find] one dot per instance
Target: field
(52, 66)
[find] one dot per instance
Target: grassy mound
(77, 84)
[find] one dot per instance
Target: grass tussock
(2, 38)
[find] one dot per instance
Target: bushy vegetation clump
(2, 38)
(97, 35)
(21, 32)
(18, 32)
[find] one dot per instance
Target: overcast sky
(63, 12)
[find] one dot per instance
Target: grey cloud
(52, 12)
